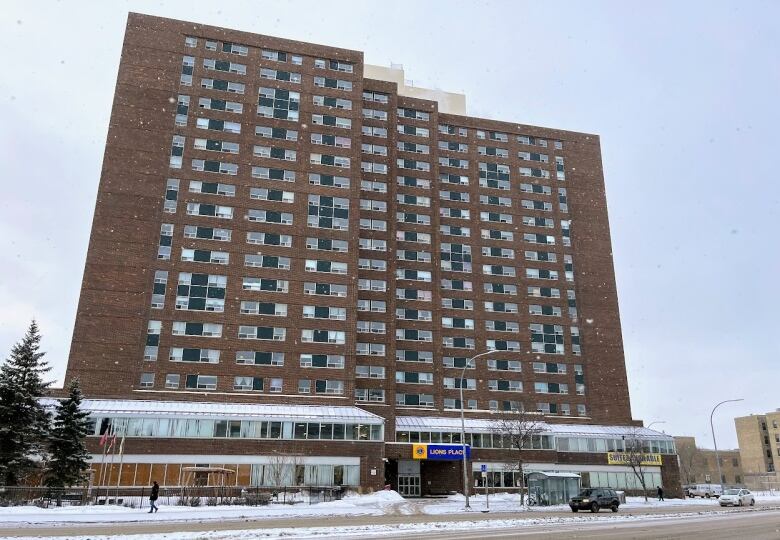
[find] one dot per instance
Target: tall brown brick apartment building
(290, 245)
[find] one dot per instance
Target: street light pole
(463, 423)
(653, 423)
(714, 442)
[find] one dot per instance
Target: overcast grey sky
(683, 94)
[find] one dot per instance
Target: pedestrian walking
(153, 497)
(660, 494)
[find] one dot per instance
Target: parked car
(594, 499)
(705, 490)
(737, 497)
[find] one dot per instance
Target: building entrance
(409, 485)
(409, 480)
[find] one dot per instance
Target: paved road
(729, 526)
(731, 523)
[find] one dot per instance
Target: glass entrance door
(409, 485)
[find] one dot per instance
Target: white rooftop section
(474, 425)
(449, 102)
(169, 409)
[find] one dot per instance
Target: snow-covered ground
(351, 505)
(375, 504)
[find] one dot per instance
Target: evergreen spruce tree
(24, 422)
(68, 462)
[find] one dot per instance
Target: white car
(737, 497)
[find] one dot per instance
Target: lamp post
(656, 422)
(712, 428)
(463, 423)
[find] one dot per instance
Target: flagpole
(104, 443)
(121, 457)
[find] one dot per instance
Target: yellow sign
(625, 458)
(420, 451)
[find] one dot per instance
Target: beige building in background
(699, 466)
(759, 448)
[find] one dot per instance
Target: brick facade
(114, 308)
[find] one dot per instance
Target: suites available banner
(440, 451)
(623, 458)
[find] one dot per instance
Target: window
(201, 292)
(211, 145)
(172, 381)
(377, 97)
(274, 152)
(547, 338)
(332, 361)
(269, 216)
(335, 65)
(551, 388)
(413, 335)
(258, 358)
(267, 261)
(328, 212)
(504, 365)
(330, 267)
(327, 120)
(370, 394)
(323, 336)
(374, 114)
(332, 140)
(413, 356)
(452, 383)
(414, 377)
(214, 166)
(253, 384)
(332, 102)
(316, 179)
(201, 382)
(262, 284)
(221, 65)
(208, 356)
(278, 103)
(222, 85)
(273, 174)
(374, 306)
(374, 131)
(413, 130)
(205, 256)
(414, 400)
(500, 385)
(147, 380)
(326, 82)
(279, 56)
(269, 239)
(276, 133)
(265, 333)
(370, 349)
(263, 308)
(280, 75)
(502, 345)
(324, 312)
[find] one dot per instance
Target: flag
(106, 435)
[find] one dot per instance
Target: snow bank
(351, 505)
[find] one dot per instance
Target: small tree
(24, 422)
(690, 461)
(518, 429)
(69, 456)
(636, 457)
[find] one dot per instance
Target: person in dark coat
(153, 497)
(660, 493)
